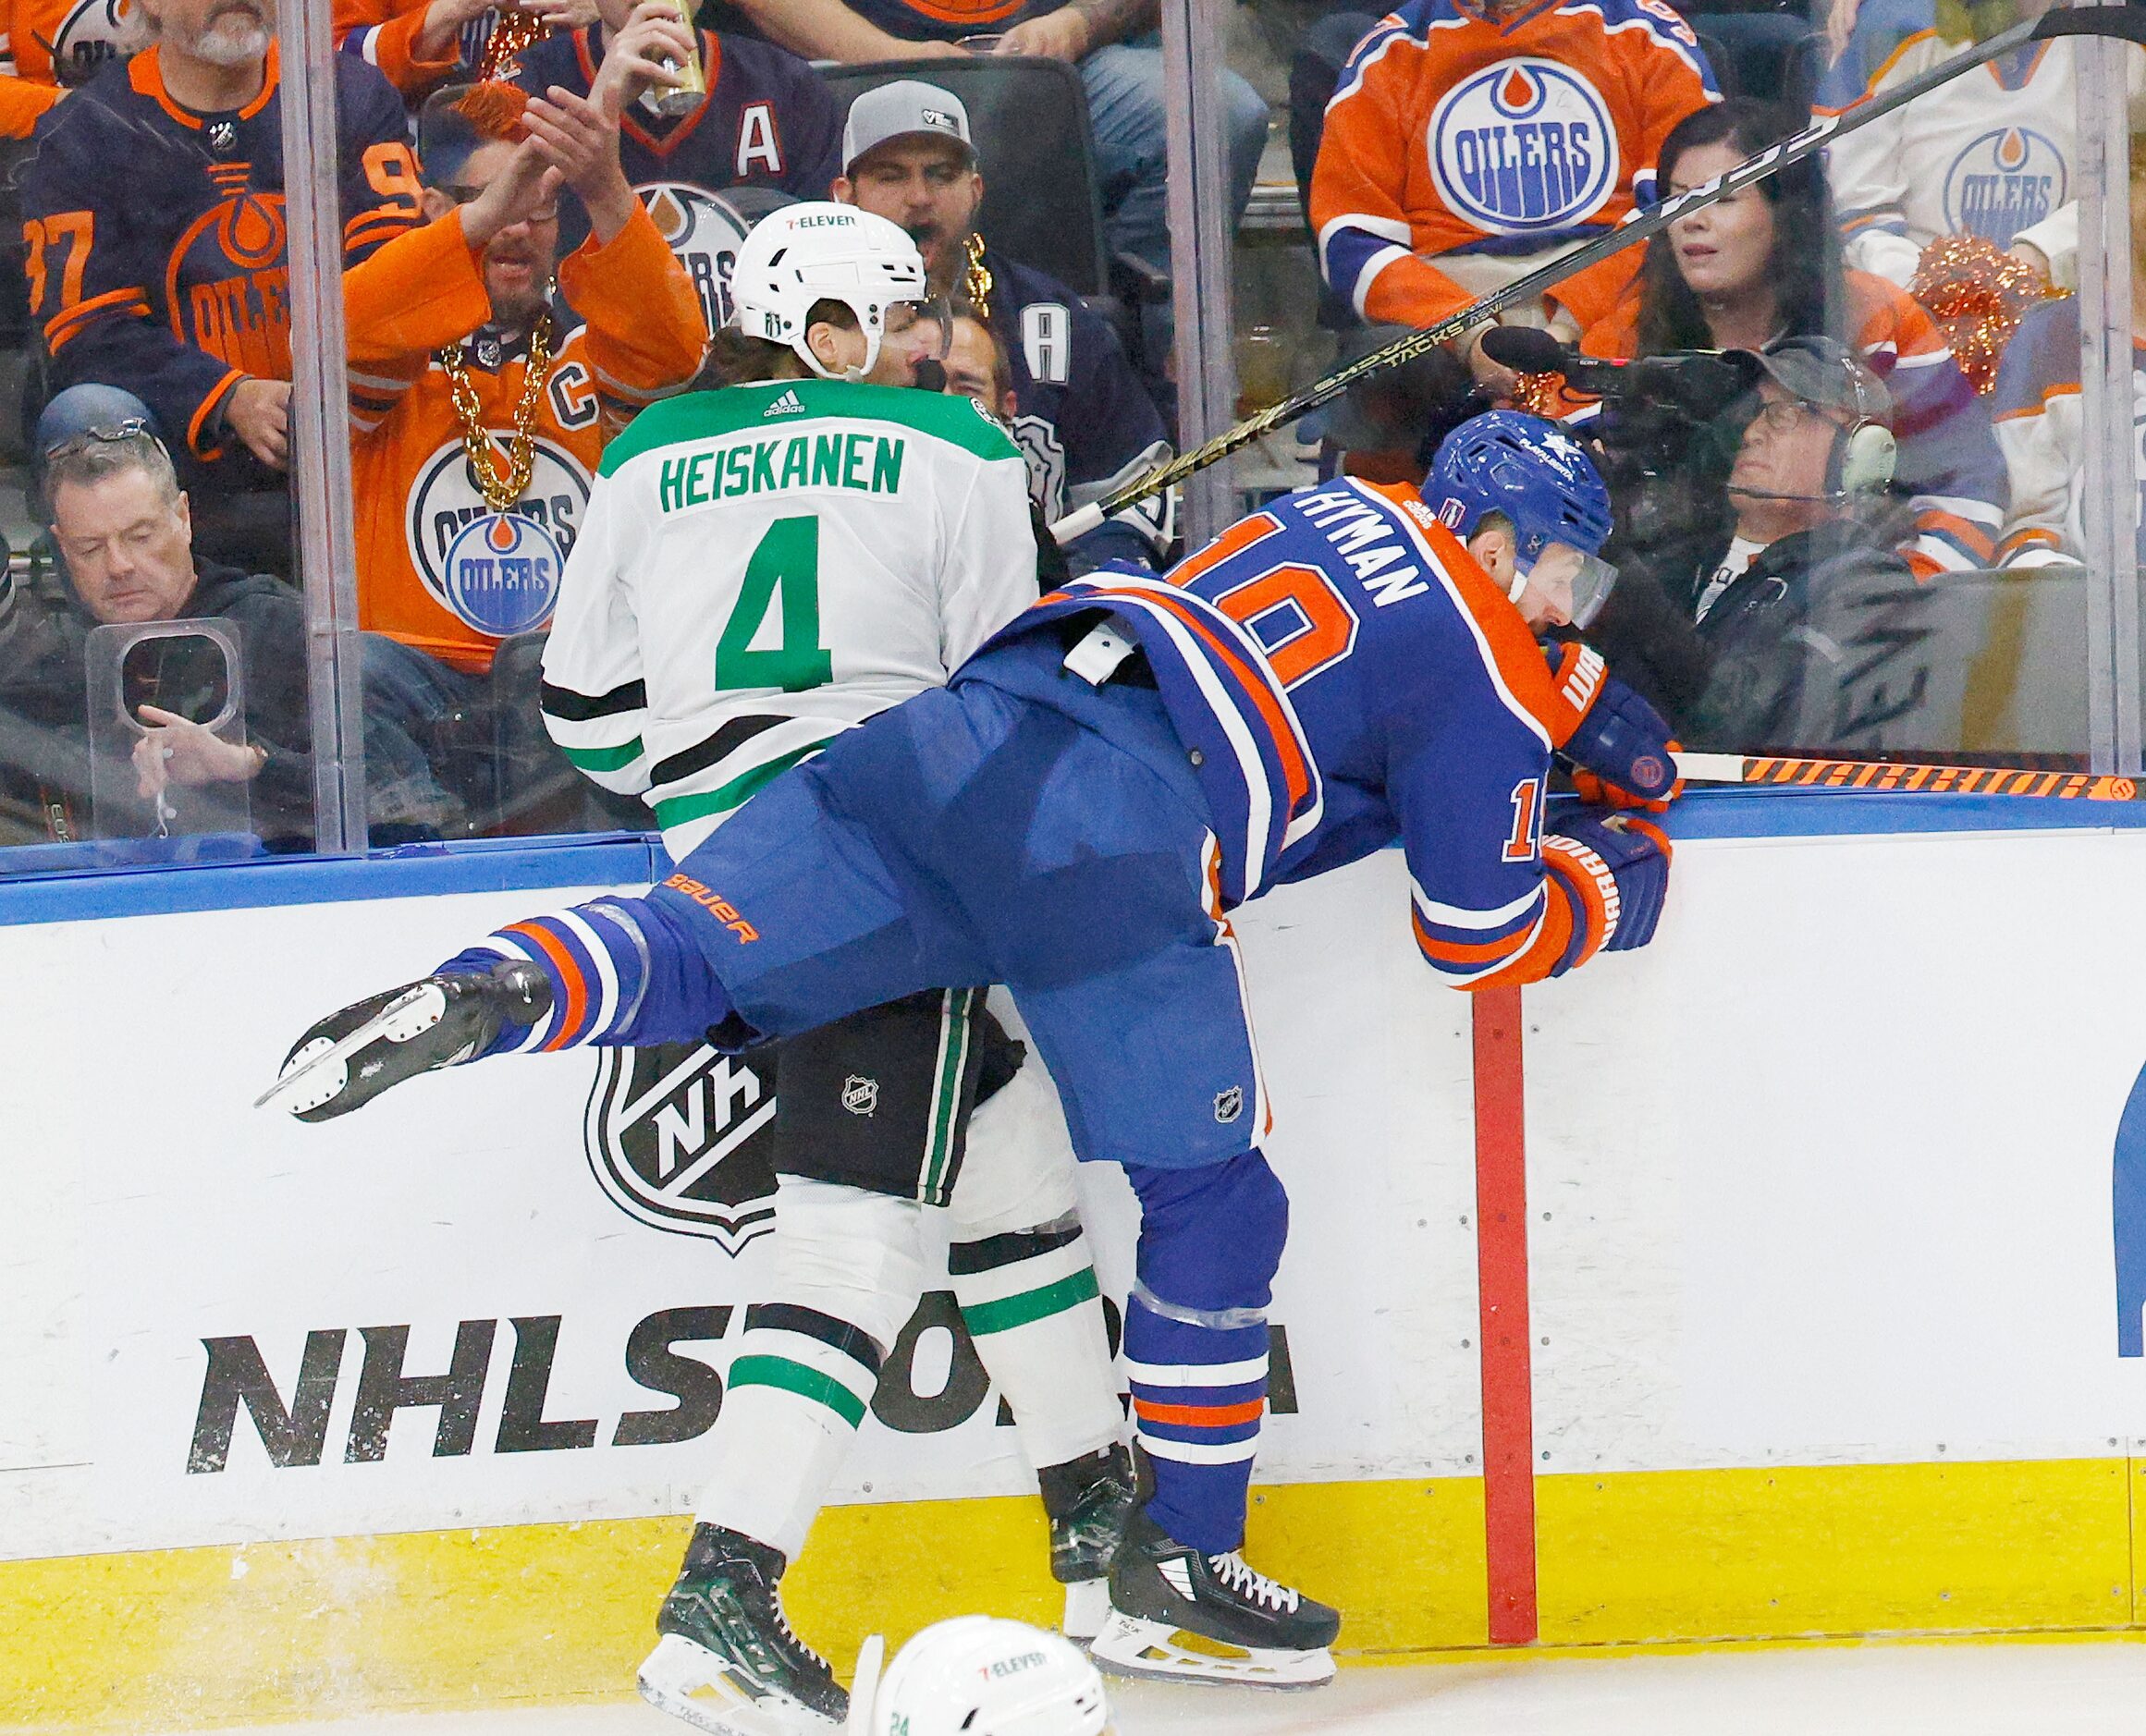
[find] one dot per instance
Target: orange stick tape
(1885, 775)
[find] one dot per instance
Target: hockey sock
(1023, 1276)
(1195, 1339)
(847, 1278)
(1030, 1301)
(622, 970)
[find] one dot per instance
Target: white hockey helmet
(820, 251)
(978, 1676)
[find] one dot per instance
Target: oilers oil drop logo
(703, 230)
(2005, 180)
(502, 573)
(1525, 147)
(497, 575)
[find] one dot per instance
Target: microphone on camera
(1697, 382)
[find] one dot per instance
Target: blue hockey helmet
(1527, 468)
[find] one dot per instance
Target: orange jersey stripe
(577, 997)
(1200, 1415)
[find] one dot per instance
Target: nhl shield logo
(860, 1095)
(681, 1138)
(1228, 1105)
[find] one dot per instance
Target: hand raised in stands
(567, 15)
(1061, 35)
(644, 53)
(579, 139)
(443, 25)
(518, 193)
(258, 411)
(179, 750)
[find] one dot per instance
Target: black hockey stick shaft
(2125, 22)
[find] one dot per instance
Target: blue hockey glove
(1615, 868)
(1619, 752)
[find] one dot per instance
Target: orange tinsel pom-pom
(495, 110)
(1977, 295)
(1542, 395)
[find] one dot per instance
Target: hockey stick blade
(343, 1048)
(1889, 777)
(2122, 23)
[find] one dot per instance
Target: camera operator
(1723, 632)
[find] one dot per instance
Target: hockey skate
(728, 1662)
(1088, 1499)
(1276, 1637)
(350, 1056)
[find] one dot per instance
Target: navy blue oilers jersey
(770, 132)
(1081, 417)
(949, 20)
(1345, 676)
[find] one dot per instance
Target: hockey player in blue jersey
(1074, 815)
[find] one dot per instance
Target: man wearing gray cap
(1725, 635)
(1081, 416)
(1114, 44)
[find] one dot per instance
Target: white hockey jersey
(764, 566)
(1992, 153)
(2040, 422)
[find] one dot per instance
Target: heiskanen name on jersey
(869, 539)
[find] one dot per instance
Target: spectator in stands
(1729, 646)
(1472, 140)
(476, 430)
(767, 130)
(421, 44)
(1083, 421)
(123, 530)
(1113, 43)
(1765, 263)
(49, 48)
(1989, 154)
(2040, 412)
(153, 211)
(977, 365)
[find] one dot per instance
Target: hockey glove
(1614, 870)
(454, 1015)
(1620, 750)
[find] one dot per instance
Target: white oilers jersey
(765, 567)
(1992, 153)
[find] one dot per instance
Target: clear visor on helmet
(1573, 584)
(924, 331)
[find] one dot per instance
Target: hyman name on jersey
(870, 464)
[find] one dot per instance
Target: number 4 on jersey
(788, 560)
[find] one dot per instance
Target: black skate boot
(414, 1029)
(1160, 1588)
(723, 1631)
(1089, 1500)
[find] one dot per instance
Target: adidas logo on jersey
(789, 404)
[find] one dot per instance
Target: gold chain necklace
(976, 281)
(501, 492)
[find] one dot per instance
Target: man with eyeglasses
(1722, 631)
(475, 437)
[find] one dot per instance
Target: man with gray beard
(153, 208)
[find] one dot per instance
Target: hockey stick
(2125, 22)
(1899, 779)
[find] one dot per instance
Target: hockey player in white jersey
(762, 568)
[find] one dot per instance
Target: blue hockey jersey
(1345, 676)
(1081, 417)
(769, 132)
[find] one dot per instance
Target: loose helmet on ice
(978, 1676)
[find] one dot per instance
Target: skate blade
(691, 1684)
(1130, 1646)
(1087, 1605)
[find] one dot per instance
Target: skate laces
(1239, 1575)
(790, 1633)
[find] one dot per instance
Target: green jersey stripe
(767, 408)
(807, 1382)
(605, 759)
(946, 1098)
(1030, 1305)
(677, 810)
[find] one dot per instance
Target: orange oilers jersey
(46, 46)
(1450, 134)
(158, 247)
(436, 567)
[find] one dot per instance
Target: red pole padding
(1502, 1283)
